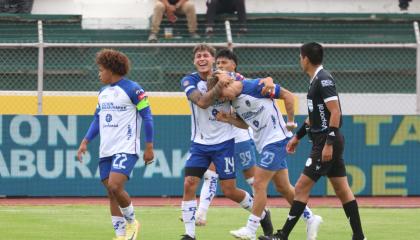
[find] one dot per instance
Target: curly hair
(113, 60)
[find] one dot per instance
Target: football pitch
(86, 222)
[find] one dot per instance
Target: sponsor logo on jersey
(310, 105)
(250, 114)
(321, 109)
(327, 83)
(186, 83)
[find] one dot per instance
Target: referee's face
(303, 62)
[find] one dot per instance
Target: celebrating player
(271, 135)
(211, 140)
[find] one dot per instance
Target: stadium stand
(160, 69)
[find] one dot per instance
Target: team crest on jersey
(248, 103)
(108, 118)
(256, 123)
(214, 112)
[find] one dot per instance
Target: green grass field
(83, 222)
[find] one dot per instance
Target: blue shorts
(220, 154)
(120, 163)
(245, 155)
(274, 156)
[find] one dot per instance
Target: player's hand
(223, 116)
(268, 85)
(291, 125)
(292, 145)
(82, 150)
(148, 154)
(224, 78)
(327, 152)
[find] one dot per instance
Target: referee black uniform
(321, 90)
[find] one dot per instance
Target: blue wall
(38, 157)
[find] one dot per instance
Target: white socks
(188, 216)
(128, 213)
(253, 223)
(208, 191)
(119, 225)
(247, 202)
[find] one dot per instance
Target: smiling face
(203, 62)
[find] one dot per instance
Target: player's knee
(190, 182)
(114, 188)
(228, 191)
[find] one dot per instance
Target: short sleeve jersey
(205, 129)
(119, 121)
(322, 89)
(261, 114)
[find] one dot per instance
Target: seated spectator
(16, 6)
(225, 6)
(404, 4)
(173, 7)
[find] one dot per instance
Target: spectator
(172, 7)
(225, 6)
(404, 4)
(16, 6)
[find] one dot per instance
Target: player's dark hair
(313, 51)
(204, 47)
(227, 53)
(113, 60)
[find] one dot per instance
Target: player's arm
(269, 85)
(232, 119)
(145, 112)
(92, 132)
(207, 99)
(289, 103)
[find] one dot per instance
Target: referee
(326, 157)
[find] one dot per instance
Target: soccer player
(120, 103)
(211, 140)
(271, 135)
(326, 157)
(244, 155)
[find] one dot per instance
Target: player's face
(203, 61)
(105, 75)
(225, 64)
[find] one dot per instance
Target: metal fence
(371, 78)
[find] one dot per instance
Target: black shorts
(315, 169)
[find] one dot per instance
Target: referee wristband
(302, 131)
(332, 135)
